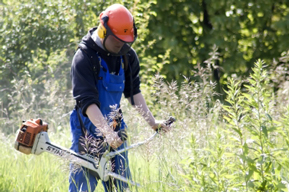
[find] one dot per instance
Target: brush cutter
(32, 138)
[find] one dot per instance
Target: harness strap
(83, 130)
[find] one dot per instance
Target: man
(104, 68)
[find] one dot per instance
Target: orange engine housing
(28, 131)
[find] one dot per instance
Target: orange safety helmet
(116, 20)
(120, 21)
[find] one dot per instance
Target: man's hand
(113, 140)
(96, 117)
(160, 125)
(164, 126)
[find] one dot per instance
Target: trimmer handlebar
(33, 138)
(123, 134)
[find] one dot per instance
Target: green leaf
(238, 131)
(248, 175)
(251, 184)
(281, 185)
(245, 148)
(264, 130)
(271, 129)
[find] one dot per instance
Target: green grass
(27, 173)
(239, 145)
(45, 172)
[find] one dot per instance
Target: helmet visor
(115, 45)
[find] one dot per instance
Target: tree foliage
(243, 30)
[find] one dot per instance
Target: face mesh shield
(126, 46)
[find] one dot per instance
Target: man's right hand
(95, 116)
(113, 140)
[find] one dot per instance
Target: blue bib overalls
(110, 88)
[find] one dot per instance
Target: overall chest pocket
(114, 84)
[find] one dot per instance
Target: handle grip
(167, 122)
(122, 134)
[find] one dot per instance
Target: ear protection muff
(101, 31)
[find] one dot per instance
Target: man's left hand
(161, 126)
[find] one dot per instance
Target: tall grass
(20, 172)
(241, 145)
